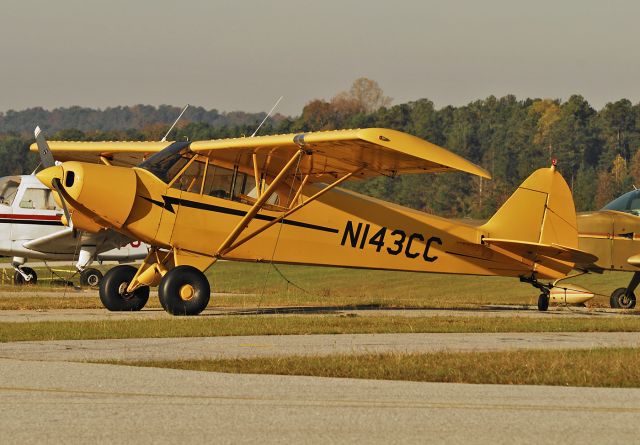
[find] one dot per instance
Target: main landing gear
(25, 275)
(113, 290)
(625, 297)
(184, 290)
(90, 277)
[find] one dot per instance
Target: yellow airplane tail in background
(538, 222)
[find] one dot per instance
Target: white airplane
(31, 228)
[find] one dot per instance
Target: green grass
(597, 367)
(262, 285)
(229, 325)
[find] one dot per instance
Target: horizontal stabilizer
(532, 251)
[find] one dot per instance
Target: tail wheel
(622, 299)
(20, 280)
(113, 290)
(90, 277)
(543, 302)
(184, 290)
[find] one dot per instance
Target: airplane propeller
(46, 157)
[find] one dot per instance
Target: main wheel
(621, 299)
(90, 277)
(184, 290)
(19, 279)
(113, 290)
(543, 302)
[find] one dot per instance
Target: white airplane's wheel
(543, 302)
(113, 290)
(184, 290)
(620, 299)
(19, 279)
(90, 277)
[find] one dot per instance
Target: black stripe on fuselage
(170, 201)
(34, 222)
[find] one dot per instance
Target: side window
(191, 178)
(218, 182)
(50, 203)
(8, 190)
(248, 188)
(40, 199)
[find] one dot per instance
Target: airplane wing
(532, 251)
(377, 151)
(61, 241)
(123, 154)
(64, 241)
(373, 151)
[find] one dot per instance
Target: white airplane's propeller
(46, 157)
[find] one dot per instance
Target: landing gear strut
(625, 297)
(543, 299)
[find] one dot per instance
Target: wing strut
(289, 212)
(244, 222)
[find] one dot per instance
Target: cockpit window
(8, 190)
(166, 164)
(38, 199)
(629, 203)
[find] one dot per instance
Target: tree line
(596, 150)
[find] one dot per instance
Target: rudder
(540, 211)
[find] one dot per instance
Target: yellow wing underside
(328, 154)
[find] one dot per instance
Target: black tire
(543, 302)
(90, 277)
(112, 290)
(19, 279)
(620, 299)
(184, 279)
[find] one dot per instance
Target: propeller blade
(46, 157)
(43, 148)
(58, 186)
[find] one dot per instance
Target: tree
(364, 96)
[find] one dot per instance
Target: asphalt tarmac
(46, 395)
(281, 345)
(88, 403)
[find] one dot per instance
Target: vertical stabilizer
(540, 211)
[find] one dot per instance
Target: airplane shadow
(284, 310)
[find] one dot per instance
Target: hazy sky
(242, 55)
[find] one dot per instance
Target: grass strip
(596, 367)
(300, 324)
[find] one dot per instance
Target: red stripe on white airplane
(33, 217)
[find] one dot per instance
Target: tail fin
(540, 211)
(538, 222)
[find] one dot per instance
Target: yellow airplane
(276, 199)
(611, 234)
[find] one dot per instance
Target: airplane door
(626, 242)
(6, 219)
(168, 216)
(35, 214)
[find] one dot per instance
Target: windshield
(629, 203)
(8, 190)
(167, 163)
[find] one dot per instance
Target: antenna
(267, 116)
(174, 123)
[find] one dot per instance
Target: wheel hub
(187, 292)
